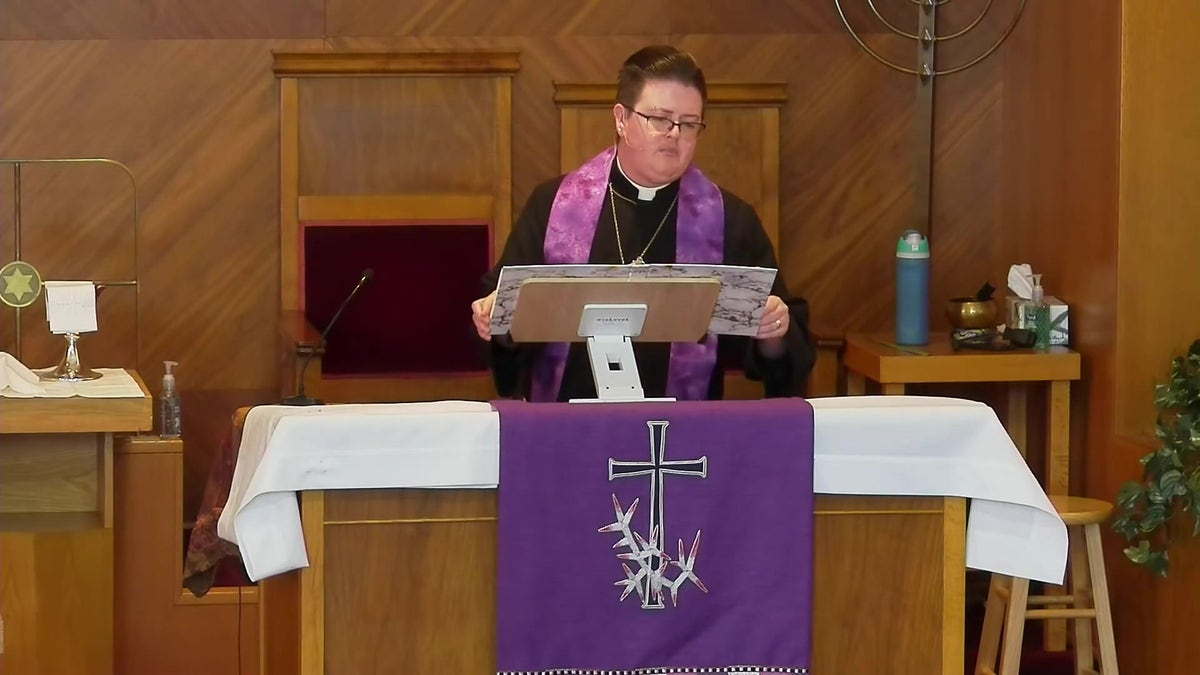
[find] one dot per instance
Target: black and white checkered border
(729, 669)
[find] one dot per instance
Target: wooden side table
(876, 357)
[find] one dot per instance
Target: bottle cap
(169, 376)
(912, 245)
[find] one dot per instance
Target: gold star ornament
(20, 284)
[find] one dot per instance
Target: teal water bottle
(912, 289)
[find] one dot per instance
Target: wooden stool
(1009, 600)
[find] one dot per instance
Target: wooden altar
(403, 581)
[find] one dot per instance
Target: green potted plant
(1171, 478)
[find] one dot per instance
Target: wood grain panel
(154, 632)
(50, 472)
(352, 18)
(185, 19)
(395, 207)
(359, 136)
(410, 505)
(499, 18)
(846, 169)
(316, 63)
(434, 621)
(795, 17)
(856, 540)
(1157, 282)
(465, 387)
(1159, 206)
(1058, 188)
(387, 611)
(196, 122)
(53, 585)
(965, 202)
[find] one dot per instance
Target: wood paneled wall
(1157, 307)
(1101, 158)
(1028, 163)
(184, 95)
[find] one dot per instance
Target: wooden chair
(1009, 602)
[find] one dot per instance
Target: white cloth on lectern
(917, 445)
(17, 379)
(285, 449)
(864, 445)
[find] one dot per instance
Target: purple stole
(699, 238)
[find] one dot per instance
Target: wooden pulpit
(56, 529)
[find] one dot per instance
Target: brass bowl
(969, 313)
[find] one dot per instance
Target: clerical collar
(644, 193)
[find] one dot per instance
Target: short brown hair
(658, 62)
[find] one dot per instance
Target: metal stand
(609, 329)
(926, 39)
(69, 368)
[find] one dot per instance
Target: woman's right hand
(481, 314)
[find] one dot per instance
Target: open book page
(112, 383)
(740, 303)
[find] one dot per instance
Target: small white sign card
(71, 306)
(740, 303)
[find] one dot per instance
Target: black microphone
(301, 398)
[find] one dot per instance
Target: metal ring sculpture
(926, 37)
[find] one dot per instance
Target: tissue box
(1060, 334)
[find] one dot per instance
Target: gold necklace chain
(640, 260)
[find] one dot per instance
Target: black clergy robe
(746, 243)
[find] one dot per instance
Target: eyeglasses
(664, 125)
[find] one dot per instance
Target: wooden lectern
(56, 530)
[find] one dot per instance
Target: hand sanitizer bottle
(169, 403)
(1041, 316)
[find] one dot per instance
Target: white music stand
(610, 314)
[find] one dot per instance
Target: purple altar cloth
(640, 538)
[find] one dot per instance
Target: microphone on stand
(301, 398)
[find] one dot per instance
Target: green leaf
(1155, 494)
(1126, 527)
(1170, 484)
(1158, 563)
(1140, 553)
(1131, 494)
(1194, 351)
(1159, 463)
(1193, 481)
(1154, 517)
(1171, 474)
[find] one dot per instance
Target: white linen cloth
(864, 445)
(112, 383)
(16, 379)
